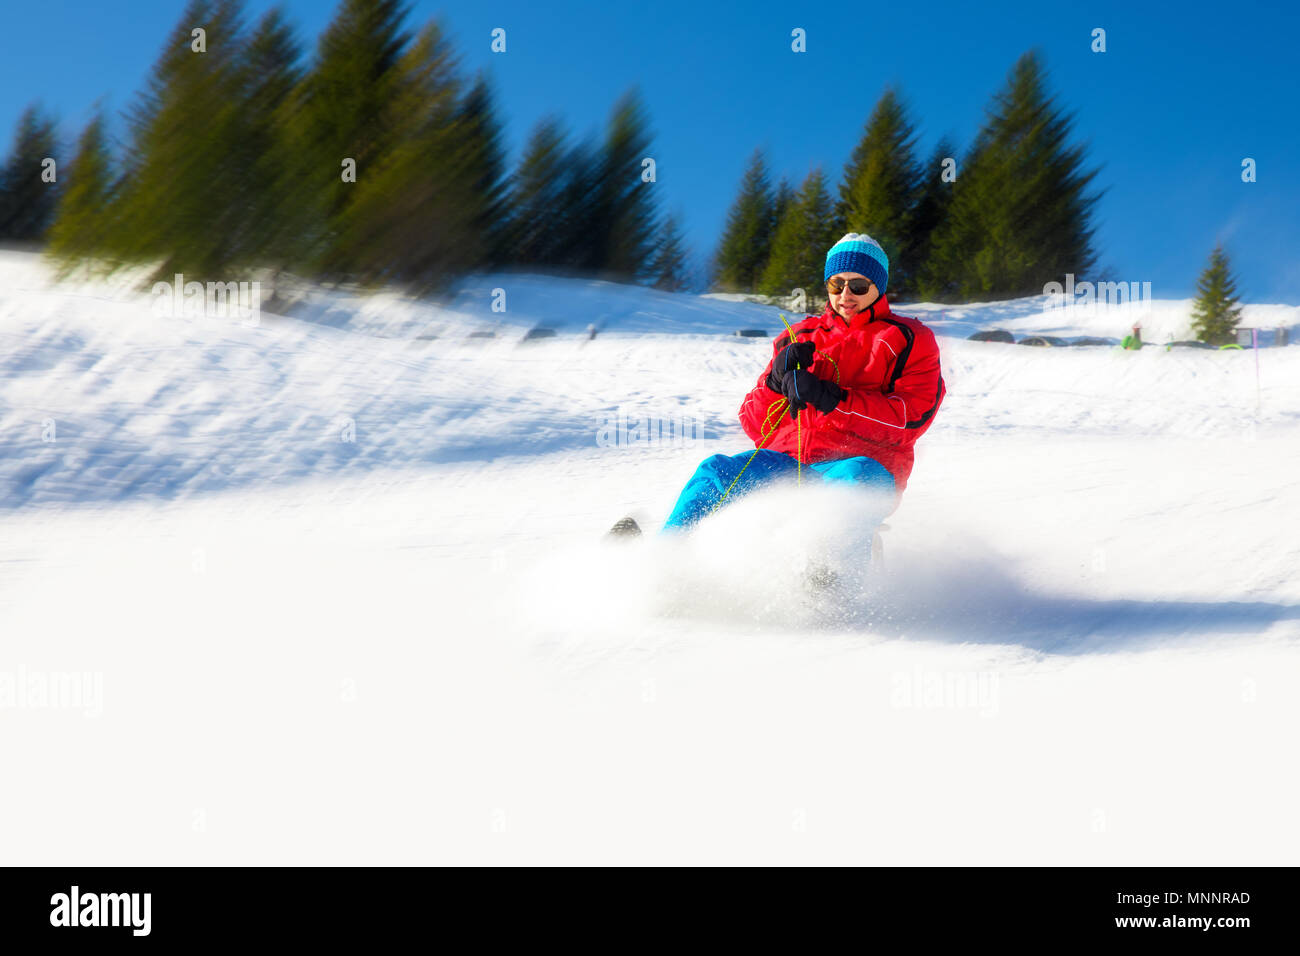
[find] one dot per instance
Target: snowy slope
(344, 596)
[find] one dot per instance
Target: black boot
(624, 528)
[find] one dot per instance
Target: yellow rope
(779, 405)
(798, 449)
(798, 429)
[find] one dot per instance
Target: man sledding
(844, 397)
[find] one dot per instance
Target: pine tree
(174, 210)
(746, 242)
(880, 186)
(271, 201)
(537, 193)
(484, 165)
(27, 201)
(353, 110)
(413, 217)
(83, 223)
(806, 232)
(585, 208)
(211, 184)
(668, 267)
(933, 198)
(626, 222)
(782, 200)
(582, 230)
(1020, 214)
(1215, 313)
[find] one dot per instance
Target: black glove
(804, 388)
(793, 356)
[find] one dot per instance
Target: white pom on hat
(859, 237)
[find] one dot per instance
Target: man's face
(846, 302)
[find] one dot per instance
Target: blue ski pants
(716, 473)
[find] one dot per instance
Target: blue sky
(1183, 93)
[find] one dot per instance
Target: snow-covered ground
(330, 589)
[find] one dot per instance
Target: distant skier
(864, 383)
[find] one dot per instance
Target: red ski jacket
(888, 364)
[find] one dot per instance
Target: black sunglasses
(857, 286)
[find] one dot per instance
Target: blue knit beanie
(858, 252)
